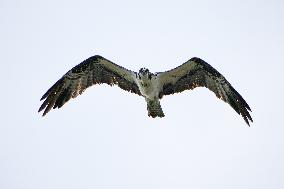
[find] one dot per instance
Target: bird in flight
(152, 86)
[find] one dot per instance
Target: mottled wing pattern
(94, 70)
(197, 73)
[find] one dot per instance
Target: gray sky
(104, 138)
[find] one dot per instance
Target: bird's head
(145, 76)
(143, 72)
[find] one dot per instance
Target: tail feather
(154, 108)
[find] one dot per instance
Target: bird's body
(152, 86)
(148, 84)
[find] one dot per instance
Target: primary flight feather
(152, 86)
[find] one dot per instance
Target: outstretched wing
(197, 73)
(94, 70)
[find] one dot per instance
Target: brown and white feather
(197, 73)
(94, 70)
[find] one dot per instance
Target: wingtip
(39, 110)
(249, 120)
(42, 98)
(42, 115)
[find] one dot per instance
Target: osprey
(152, 86)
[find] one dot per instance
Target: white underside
(150, 89)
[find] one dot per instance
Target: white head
(144, 74)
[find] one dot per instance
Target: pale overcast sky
(104, 138)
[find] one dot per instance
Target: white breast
(149, 88)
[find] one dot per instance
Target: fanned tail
(154, 108)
